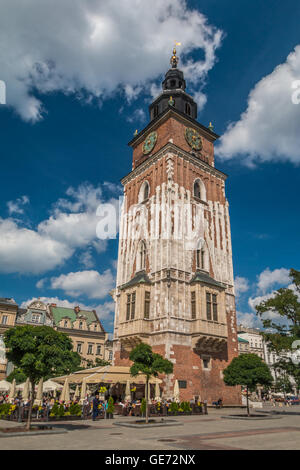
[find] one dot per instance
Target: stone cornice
(172, 148)
(82, 333)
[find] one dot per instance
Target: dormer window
(80, 325)
(66, 323)
(35, 318)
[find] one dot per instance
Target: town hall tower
(175, 288)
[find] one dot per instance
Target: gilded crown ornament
(174, 59)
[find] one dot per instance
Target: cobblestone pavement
(209, 432)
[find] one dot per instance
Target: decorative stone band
(177, 151)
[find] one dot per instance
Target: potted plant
(110, 408)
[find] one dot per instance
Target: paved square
(209, 432)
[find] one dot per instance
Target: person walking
(96, 403)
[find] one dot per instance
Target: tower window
(155, 111)
(200, 259)
(208, 306)
(146, 191)
(206, 362)
(128, 307)
(193, 304)
(173, 83)
(197, 190)
(142, 255)
(132, 306)
(215, 307)
(187, 109)
(147, 305)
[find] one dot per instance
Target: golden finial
(211, 127)
(135, 132)
(174, 59)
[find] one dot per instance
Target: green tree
(17, 374)
(148, 363)
(285, 329)
(248, 370)
(40, 352)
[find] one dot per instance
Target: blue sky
(76, 92)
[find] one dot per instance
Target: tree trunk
(147, 385)
(30, 406)
(248, 412)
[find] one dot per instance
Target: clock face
(193, 138)
(149, 143)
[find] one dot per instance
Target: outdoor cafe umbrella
(50, 386)
(83, 391)
(65, 394)
(157, 391)
(76, 394)
(12, 392)
(127, 391)
(176, 391)
(4, 386)
(25, 391)
(39, 395)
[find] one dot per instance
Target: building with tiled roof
(82, 326)
(8, 313)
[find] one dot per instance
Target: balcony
(210, 328)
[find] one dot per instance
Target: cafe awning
(108, 375)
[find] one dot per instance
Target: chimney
(53, 305)
(77, 309)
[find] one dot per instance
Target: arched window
(144, 192)
(142, 251)
(187, 109)
(202, 257)
(172, 83)
(199, 189)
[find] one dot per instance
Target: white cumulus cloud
(241, 285)
(26, 251)
(17, 206)
(90, 283)
(70, 227)
(269, 128)
(267, 279)
(93, 48)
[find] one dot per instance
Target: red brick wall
(172, 128)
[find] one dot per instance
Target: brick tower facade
(175, 288)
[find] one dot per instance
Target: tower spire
(174, 59)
